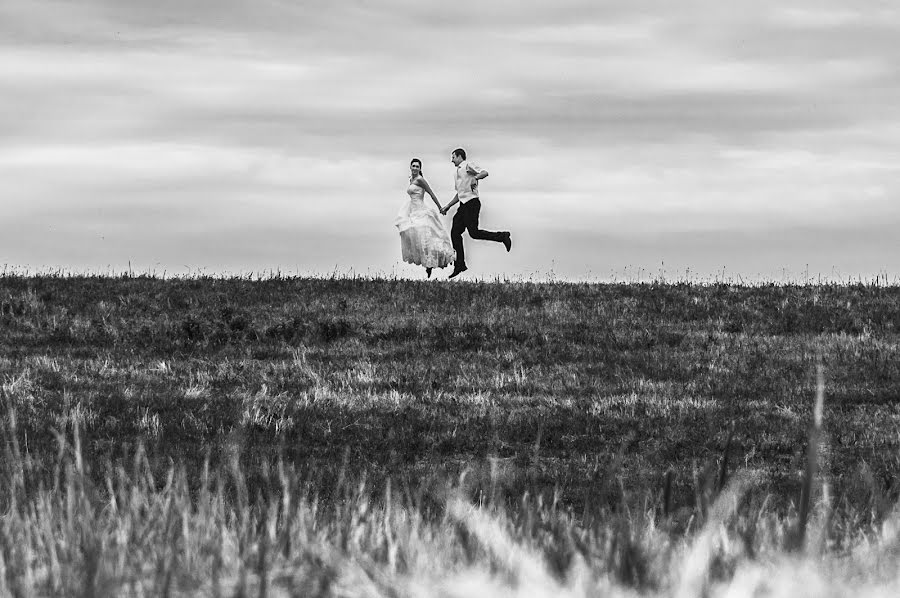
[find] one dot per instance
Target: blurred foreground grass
(139, 535)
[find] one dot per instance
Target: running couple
(423, 236)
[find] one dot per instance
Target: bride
(424, 240)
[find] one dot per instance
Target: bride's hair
(414, 161)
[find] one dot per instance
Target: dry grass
(136, 535)
(363, 438)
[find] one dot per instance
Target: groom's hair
(460, 152)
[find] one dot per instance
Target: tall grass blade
(694, 574)
(812, 459)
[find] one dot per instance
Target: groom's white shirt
(464, 181)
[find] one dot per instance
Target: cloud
(229, 120)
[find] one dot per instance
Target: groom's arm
(478, 173)
(452, 203)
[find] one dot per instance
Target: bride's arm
(424, 184)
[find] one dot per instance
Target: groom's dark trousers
(466, 218)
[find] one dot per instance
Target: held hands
(444, 210)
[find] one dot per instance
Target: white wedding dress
(424, 239)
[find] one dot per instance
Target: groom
(466, 217)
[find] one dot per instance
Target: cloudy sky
(756, 138)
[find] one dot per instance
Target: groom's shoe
(507, 241)
(457, 272)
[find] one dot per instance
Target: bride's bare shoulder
(421, 182)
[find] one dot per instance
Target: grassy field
(387, 437)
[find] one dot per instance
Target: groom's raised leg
(472, 225)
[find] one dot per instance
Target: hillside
(558, 382)
(313, 437)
